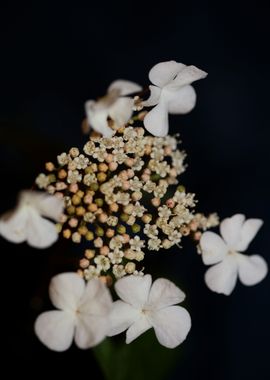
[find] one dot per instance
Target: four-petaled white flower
(83, 313)
(171, 93)
(115, 104)
(25, 222)
(143, 306)
(224, 253)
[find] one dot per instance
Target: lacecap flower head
(121, 198)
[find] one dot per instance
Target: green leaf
(142, 359)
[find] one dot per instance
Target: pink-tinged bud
(109, 158)
(104, 250)
(130, 173)
(155, 202)
(73, 188)
(125, 185)
(170, 203)
(113, 166)
(84, 263)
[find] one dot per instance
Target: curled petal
(248, 232)
(171, 325)
(51, 207)
(55, 329)
(163, 72)
(66, 290)
(124, 87)
(41, 233)
(221, 278)
(164, 293)
(134, 289)
(230, 229)
(156, 121)
(180, 101)
(252, 269)
(47, 205)
(121, 111)
(13, 225)
(213, 248)
(121, 317)
(97, 118)
(187, 75)
(154, 96)
(137, 328)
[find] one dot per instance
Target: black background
(53, 58)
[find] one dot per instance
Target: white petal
(121, 317)
(93, 312)
(66, 290)
(156, 121)
(230, 229)
(55, 329)
(97, 118)
(187, 75)
(162, 73)
(13, 225)
(248, 232)
(90, 330)
(252, 269)
(180, 101)
(154, 96)
(221, 278)
(124, 87)
(164, 293)
(96, 299)
(47, 205)
(171, 325)
(213, 248)
(121, 111)
(138, 328)
(41, 233)
(134, 289)
(51, 207)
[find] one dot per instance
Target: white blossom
(237, 233)
(26, 222)
(170, 93)
(82, 313)
(115, 104)
(143, 306)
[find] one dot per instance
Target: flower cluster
(117, 197)
(120, 198)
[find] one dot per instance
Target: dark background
(53, 58)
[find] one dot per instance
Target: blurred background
(53, 59)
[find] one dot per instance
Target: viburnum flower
(225, 254)
(171, 93)
(26, 222)
(143, 306)
(83, 310)
(115, 104)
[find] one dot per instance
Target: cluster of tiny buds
(117, 199)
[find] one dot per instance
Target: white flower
(26, 223)
(114, 104)
(136, 244)
(154, 244)
(42, 181)
(102, 262)
(143, 306)
(116, 257)
(171, 93)
(74, 176)
(237, 234)
(82, 313)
